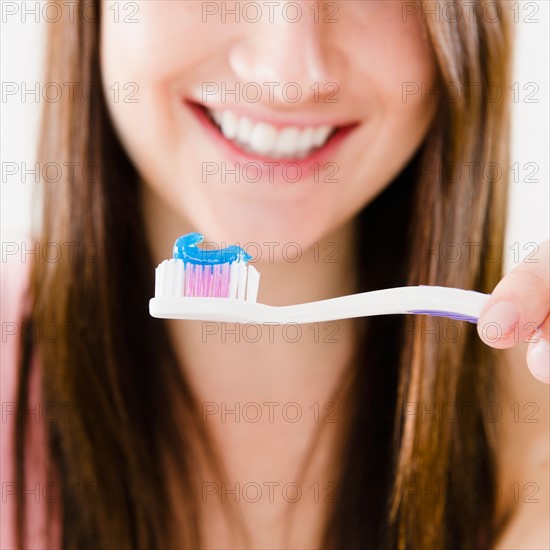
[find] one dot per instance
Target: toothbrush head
(198, 273)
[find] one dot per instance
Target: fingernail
(499, 320)
(538, 358)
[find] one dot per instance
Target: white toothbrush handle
(431, 300)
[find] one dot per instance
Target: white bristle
(175, 280)
(233, 280)
(252, 284)
(169, 278)
(180, 278)
(161, 274)
(241, 280)
(172, 279)
(157, 280)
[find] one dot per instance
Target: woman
(370, 129)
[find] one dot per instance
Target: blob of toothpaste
(186, 249)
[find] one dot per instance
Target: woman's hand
(518, 311)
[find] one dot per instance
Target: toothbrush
(219, 285)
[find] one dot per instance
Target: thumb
(518, 310)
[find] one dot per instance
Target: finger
(519, 304)
(538, 353)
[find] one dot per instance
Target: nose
(291, 47)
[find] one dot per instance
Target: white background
(529, 212)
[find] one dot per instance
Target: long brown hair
(126, 380)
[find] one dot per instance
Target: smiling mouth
(261, 139)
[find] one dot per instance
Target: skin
(370, 52)
(162, 136)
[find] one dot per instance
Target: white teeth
(217, 116)
(267, 140)
(245, 130)
(229, 125)
(306, 142)
(321, 135)
(263, 138)
(287, 142)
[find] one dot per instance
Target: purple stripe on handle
(449, 314)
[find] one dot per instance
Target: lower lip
(236, 153)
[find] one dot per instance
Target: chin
(272, 238)
(255, 231)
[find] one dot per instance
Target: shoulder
(14, 276)
(523, 455)
(14, 279)
(13, 283)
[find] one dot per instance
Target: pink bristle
(198, 281)
(206, 280)
(219, 285)
(224, 290)
(219, 290)
(215, 282)
(194, 281)
(188, 281)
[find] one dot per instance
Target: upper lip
(278, 119)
